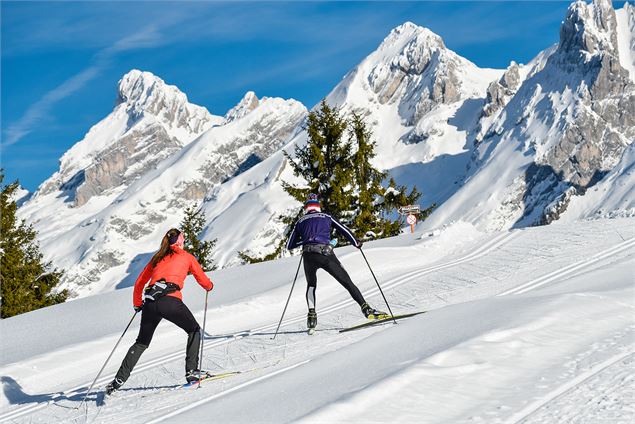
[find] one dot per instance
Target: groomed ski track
(427, 283)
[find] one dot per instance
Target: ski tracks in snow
(624, 362)
(412, 276)
(489, 246)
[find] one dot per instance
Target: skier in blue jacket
(313, 233)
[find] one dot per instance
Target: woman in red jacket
(166, 274)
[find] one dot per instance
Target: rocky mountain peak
(409, 33)
(589, 28)
(144, 92)
(140, 89)
(248, 103)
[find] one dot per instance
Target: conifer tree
(325, 163)
(192, 226)
(26, 282)
(368, 221)
(374, 202)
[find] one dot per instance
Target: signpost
(411, 212)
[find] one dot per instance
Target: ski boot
(113, 386)
(372, 313)
(192, 376)
(311, 320)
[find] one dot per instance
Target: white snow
(626, 37)
(531, 325)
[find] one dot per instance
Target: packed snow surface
(531, 325)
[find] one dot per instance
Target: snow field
(474, 357)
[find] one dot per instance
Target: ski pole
(380, 290)
(107, 359)
(200, 363)
(289, 298)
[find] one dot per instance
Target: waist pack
(323, 249)
(159, 289)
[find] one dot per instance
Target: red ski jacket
(173, 269)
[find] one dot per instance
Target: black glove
(138, 308)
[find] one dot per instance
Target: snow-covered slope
(531, 325)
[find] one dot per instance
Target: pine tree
(26, 282)
(192, 226)
(324, 162)
(368, 222)
(375, 203)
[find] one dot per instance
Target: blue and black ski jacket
(315, 228)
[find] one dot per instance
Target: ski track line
(226, 392)
(569, 269)
(482, 250)
(571, 384)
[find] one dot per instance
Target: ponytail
(165, 248)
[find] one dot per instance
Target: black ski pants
(173, 310)
(329, 263)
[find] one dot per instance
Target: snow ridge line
(226, 392)
(559, 273)
(571, 384)
(395, 282)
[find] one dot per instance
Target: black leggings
(175, 311)
(329, 263)
(170, 308)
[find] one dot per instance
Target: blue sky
(61, 61)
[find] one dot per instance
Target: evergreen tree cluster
(26, 282)
(191, 227)
(336, 165)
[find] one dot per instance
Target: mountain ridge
(496, 148)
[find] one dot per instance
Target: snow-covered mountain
(151, 120)
(496, 148)
(129, 179)
(557, 132)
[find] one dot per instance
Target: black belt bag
(323, 249)
(159, 289)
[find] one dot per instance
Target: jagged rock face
(420, 74)
(151, 121)
(248, 103)
(499, 92)
(126, 160)
(571, 118)
(143, 92)
(266, 132)
(603, 122)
